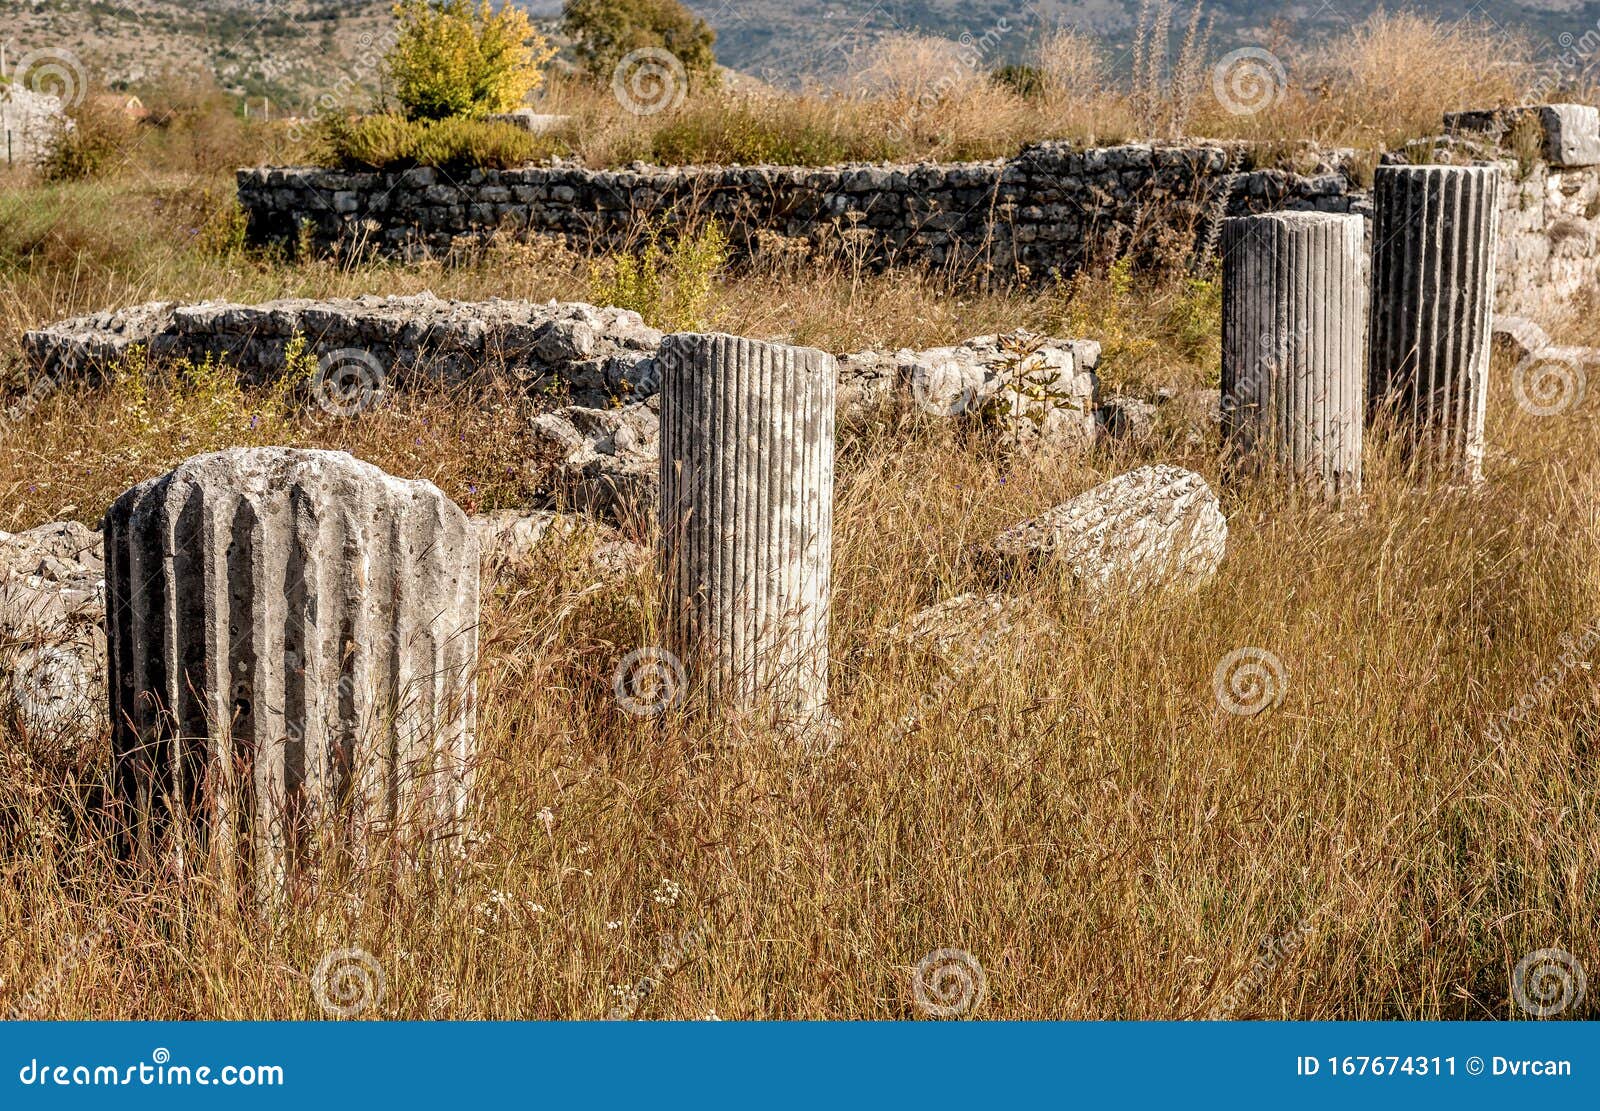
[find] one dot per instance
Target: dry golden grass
(1073, 807)
(1390, 80)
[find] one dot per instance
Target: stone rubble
(510, 538)
(1151, 527)
(960, 629)
(595, 352)
(52, 643)
(607, 459)
(980, 378)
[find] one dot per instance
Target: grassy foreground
(1074, 807)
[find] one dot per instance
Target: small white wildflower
(615, 924)
(536, 908)
(712, 1016)
(583, 848)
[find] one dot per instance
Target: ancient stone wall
(1041, 215)
(27, 119)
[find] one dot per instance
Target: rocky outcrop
(1151, 527)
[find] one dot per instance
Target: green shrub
(1024, 80)
(453, 59)
(750, 130)
(605, 31)
(670, 287)
(390, 142)
(88, 142)
(223, 228)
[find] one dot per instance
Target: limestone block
(1151, 527)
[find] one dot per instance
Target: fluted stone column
(747, 434)
(1433, 248)
(1294, 306)
(292, 638)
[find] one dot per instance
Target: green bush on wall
(391, 142)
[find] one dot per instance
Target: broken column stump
(1294, 304)
(1433, 248)
(292, 638)
(747, 439)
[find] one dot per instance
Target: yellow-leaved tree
(451, 58)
